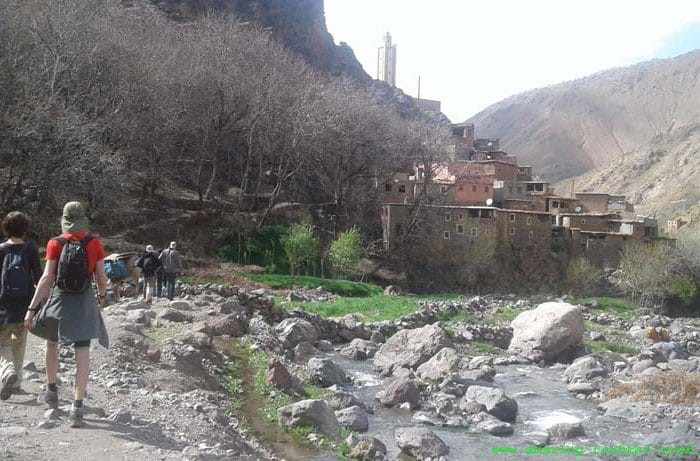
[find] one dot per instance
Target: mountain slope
(568, 129)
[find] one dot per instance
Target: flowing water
(542, 400)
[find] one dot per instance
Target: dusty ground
(147, 399)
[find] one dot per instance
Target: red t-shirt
(94, 249)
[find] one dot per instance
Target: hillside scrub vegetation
(215, 107)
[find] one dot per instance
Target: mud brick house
(482, 195)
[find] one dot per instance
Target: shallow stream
(542, 400)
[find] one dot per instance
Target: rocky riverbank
(225, 373)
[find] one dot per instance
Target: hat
(149, 248)
(74, 220)
(173, 245)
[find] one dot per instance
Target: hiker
(19, 263)
(149, 263)
(159, 277)
(172, 264)
(71, 315)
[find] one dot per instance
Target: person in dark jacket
(14, 302)
(149, 263)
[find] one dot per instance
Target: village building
(481, 195)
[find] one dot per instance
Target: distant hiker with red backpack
(149, 263)
(19, 263)
(71, 314)
(172, 264)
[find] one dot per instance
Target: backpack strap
(61, 240)
(87, 240)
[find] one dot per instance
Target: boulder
(303, 351)
(293, 331)
(547, 331)
(411, 348)
(325, 372)
(364, 447)
(403, 390)
(584, 369)
(173, 315)
(324, 345)
(180, 305)
(495, 426)
(234, 325)
(625, 408)
(353, 418)
(665, 351)
(421, 443)
(564, 431)
(495, 401)
(359, 349)
(278, 376)
(139, 316)
(440, 366)
(642, 365)
(233, 308)
(342, 399)
(683, 365)
(314, 413)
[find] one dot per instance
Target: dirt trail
(135, 409)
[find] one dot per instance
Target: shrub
(301, 247)
(683, 288)
(582, 277)
(345, 252)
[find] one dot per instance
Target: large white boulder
(546, 331)
(411, 348)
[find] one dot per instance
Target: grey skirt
(69, 317)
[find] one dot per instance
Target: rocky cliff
(299, 24)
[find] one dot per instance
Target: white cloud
(473, 53)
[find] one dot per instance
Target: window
(443, 189)
(387, 187)
(530, 234)
(402, 188)
(486, 189)
(512, 231)
(555, 204)
(529, 221)
(511, 218)
(448, 217)
(460, 216)
(446, 235)
(473, 188)
(460, 228)
(460, 188)
(474, 232)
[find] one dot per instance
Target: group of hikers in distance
(61, 304)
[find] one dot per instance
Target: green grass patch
(485, 348)
(199, 280)
(459, 316)
(618, 306)
(592, 326)
(339, 287)
(603, 346)
(505, 314)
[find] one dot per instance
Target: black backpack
(150, 263)
(73, 274)
(16, 275)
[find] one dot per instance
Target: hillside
(661, 178)
(568, 129)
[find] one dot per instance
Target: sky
(470, 54)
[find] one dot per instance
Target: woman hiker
(19, 272)
(71, 314)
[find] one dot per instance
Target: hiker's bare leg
(51, 362)
(82, 371)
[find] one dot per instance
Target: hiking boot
(76, 417)
(6, 386)
(51, 399)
